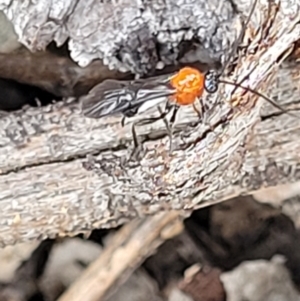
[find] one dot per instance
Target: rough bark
(50, 187)
(123, 33)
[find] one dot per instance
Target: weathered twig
(124, 253)
(48, 188)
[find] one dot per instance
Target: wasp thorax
(211, 81)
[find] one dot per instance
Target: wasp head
(211, 81)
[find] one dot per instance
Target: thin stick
(128, 248)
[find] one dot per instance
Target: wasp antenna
(238, 40)
(269, 100)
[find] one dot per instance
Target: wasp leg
(137, 146)
(172, 121)
(129, 113)
(169, 125)
(200, 114)
(163, 114)
(134, 136)
(206, 109)
(123, 121)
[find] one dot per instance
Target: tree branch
(49, 187)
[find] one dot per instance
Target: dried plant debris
(67, 262)
(175, 294)
(25, 283)
(137, 36)
(138, 287)
(242, 229)
(260, 280)
(168, 266)
(203, 283)
(12, 256)
(180, 269)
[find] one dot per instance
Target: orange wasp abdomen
(189, 85)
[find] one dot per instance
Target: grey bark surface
(50, 185)
(123, 33)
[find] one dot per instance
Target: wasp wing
(113, 97)
(107, 98)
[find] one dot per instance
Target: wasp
(182, 88)
(129, 98)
